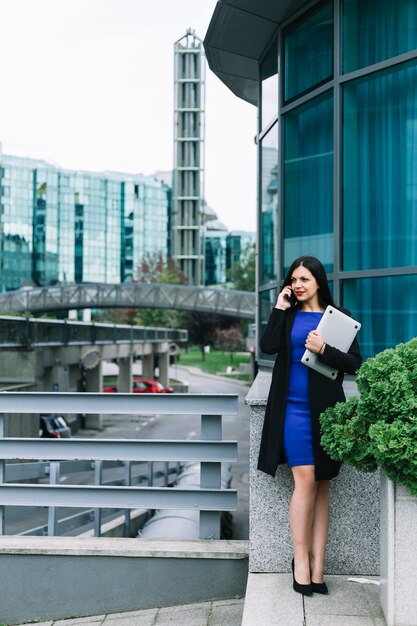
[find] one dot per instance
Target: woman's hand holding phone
(285, 299)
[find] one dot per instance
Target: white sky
(88, 84)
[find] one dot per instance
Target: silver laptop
(338, 330)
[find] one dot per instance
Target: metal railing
(21, 332)
(149, 473)
(210, 451)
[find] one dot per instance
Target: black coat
(324, 392)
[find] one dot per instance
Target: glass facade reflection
(64, 226)
(380, 170)
(374, 31)
(308, 181)
(309, 52)
(269, 206)
(387, 308)
(338, 169)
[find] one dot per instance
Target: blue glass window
(308, 181)
(309, 52)
(269, 206)
(380, 170)
(386, 308)
(374, 31)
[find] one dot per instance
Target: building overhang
(239, 34)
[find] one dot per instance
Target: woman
(298, 395)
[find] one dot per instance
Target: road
(165, 427)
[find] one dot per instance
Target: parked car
(142, 385)
(53, 427)
(110, 389)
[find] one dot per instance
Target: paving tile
(226, 614)
(188, 615)
(230, 601)
(271, 601)
(371, 593)
(145, 613)
(139, 618)
(340, 620)
(345, 598)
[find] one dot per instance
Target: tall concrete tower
(188, 179)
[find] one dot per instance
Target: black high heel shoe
(319, 588)
(305, 590)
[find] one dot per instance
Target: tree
(242, 273)
(154, 269)
(202, 328)
(116, 316)
(229, 339)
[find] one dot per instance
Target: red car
(142, 385)
(110, 389)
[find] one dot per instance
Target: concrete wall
(353, 546)
(70, 577)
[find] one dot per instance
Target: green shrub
(380, 427)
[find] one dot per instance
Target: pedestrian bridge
(130, 295)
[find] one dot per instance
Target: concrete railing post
(128, 482)
(210, 477)
(2, 472)
(98, 479)
(54, 475)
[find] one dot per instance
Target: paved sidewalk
(219, 613)
(348, 603)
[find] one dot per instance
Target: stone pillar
(125, 375)
(353, 545)
(57, 378)
(163, 363)
(148, 366)
(94, 382)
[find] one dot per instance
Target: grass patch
(214, 362)
(109, 380)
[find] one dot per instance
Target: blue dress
(298, 443)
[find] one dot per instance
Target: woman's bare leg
(302, 508)
(319, 531)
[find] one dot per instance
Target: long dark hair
(319, 273)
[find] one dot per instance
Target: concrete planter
(398, 554)
(353, 546)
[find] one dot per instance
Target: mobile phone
(292, 298)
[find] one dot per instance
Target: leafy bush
(380, 427)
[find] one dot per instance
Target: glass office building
(61, 226)
(223, 248)
(336, 87)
